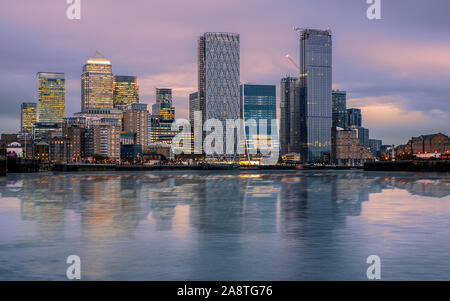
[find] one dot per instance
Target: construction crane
(293, 62)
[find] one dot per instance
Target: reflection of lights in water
(249, 176)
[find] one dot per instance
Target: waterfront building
(315, 101)
(97, 83)
(219, 77)
(339, 115)
(354, 117)
(288, 88)
(106, 138)
(426, 146)
(125, 91)
(51, 96)
(135, 121)
(130, 152)
(258, 103)
(79, 140)
(58, 150)
(42, 151)
(347, 148)
(28, 116)
(14, 149)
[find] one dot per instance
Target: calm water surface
(228, 225)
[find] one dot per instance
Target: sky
(397, 69)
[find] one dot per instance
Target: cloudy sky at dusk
(396, 69)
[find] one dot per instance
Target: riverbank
(204, 166)
(415, 166)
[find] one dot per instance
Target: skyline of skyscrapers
(97, 83)
(51, 96)
(125, 91)
(309, 108)
(315, 107)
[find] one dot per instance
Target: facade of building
(219, 77)
(46, 130)
(125, 91)
(339, 100)
(315, 100)
(288, 92)
(28, 116)
(106, 135)
(94, 113)
(97, 83)
(258, 103)
(354, 117)
(58, 150)
(363, 135)
(347, 148)
(127, 138)
(426, 144)
(375, 147)
(80, 139)
(163, 99)
(52, 96)
(135, 121)
(131, 152)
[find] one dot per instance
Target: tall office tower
(163, 99)
(354, 117)
(28, 116)
(194, 106)
(339, 108)
(125, 91)
(52, 97)
(287, 94)
(258, 102)
(315, 95)
(97, 83)
(135, 121)
(219, 77)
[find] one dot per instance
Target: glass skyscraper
(97, 83)
(354, 117)
(52, 96)
(258, 102)
(315, 106)
(287, 98)
(28, 116)
(219, 76)
(339, 108)
(125, 91)
(163, 100)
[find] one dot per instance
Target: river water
(225, 225)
